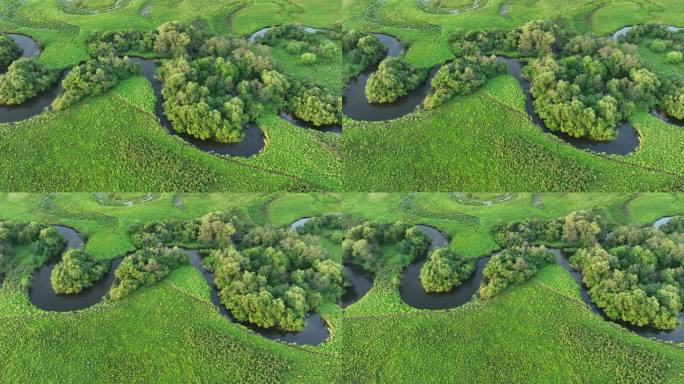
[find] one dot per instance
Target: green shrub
(394, 78)
(675, 57)
(444, 270)
(511, 267)
(145, 267)
(9, 51)
(25, 79)
(77, 271)
(308, 58)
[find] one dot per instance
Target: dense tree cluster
(588, 92)
(316, 224)
(361, 244)
(77, 271)
(169, 40)
(660, 39)
(213, 97)
(316, 105)
(93, 78)
(394, 78)
(25, 79)
(461, 77)
(9, 51)
(637, 276)
(534, 231)
(145, 267)
(275, 278)
(316, 44)
(675, 225)
(444, 270)
(534, 39)
(512, 266)
(579, 228)
(45, 243)
(362, 49)
(215, 229)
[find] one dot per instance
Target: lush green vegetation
(24, 79)
(444, 270)
(636, 276)
(145, 267)
(77, 271)
(377, 331)
(9, 51)
(25, 246)
(393, 79)
(512, 266)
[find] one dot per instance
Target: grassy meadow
(378, 339)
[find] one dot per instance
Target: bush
(444, 270)
(294, 47)
(45, 243)
(25, 79)
(535, 231)
(673, 102)
(363, 50)
(675, 225)
(144, 268)
(9, 51)
(675, 57)
(276, 279)
(93, 78)
(511, 267)
(308, 58)
(394, 78)
(77, 271)
(582, 228)
(658, 46)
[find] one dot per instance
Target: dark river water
(43, 296)
(356, 105)
(626, 141)
(37, 104)
(361, 280)
(411, 289)
(251, 144)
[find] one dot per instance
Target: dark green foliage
(9, 51)
(174, 39)
(536, 38)
(536, 231)
(93, 78)
(461, 77)
(315, 225)
(362, 49)
(394, 78)
(361, 244)
(316, 105)
(77, 271)
(45, 243)
(276, 278)
(145, 267)
(589, 92)
(673, 102)
(583, 228)
(676, 224)
(444, 270)
(215, 229)
(120, 42)
(24, 79)
(636, 277)
(512, 266)
(213, 98)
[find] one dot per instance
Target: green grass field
(537, 332)
(481, 142)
